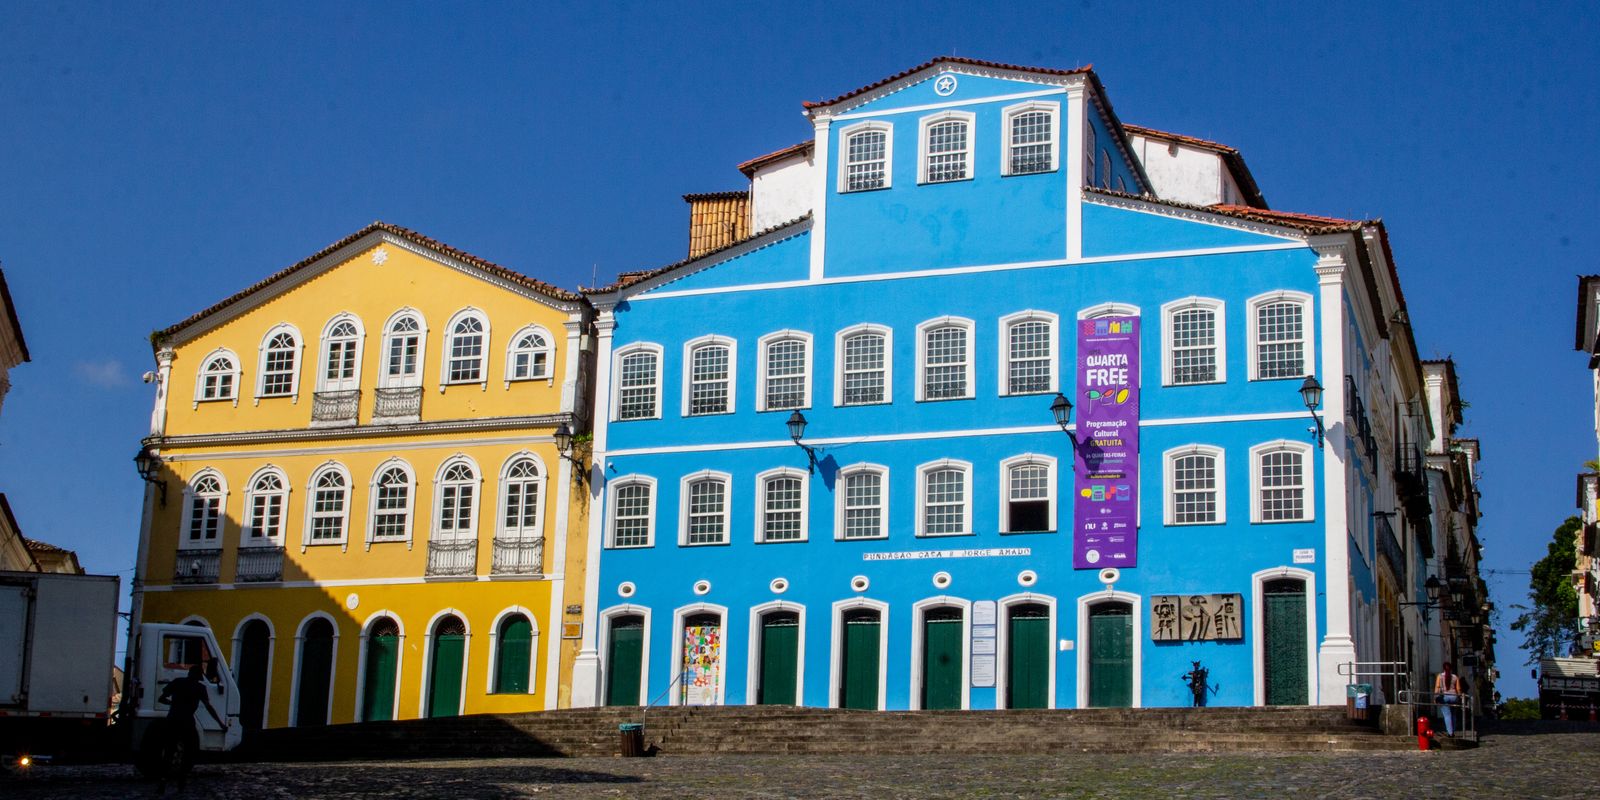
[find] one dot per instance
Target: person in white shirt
(1447, 691)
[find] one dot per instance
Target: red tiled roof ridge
(42, 547)
(631, 277)
(1288, 215)
(727, 195)
(1307, 223)
(971, 62)
(379, 225)
(1178, 137)
(749, 167)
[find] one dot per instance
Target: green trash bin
(632, 739)
(1357, 699)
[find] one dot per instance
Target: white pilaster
(586, 667)
(1077, 126)
(158, 415)
(1337, 645)
(819, 202)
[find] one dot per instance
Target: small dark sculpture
(1195, 679)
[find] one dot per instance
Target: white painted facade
(782, 190)
(1184, 173)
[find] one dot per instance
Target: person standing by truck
(185, 695)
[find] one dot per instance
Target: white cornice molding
(359, 431)
(1193, 215)
(847, 105)
(773, 237)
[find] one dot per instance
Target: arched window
(865, 357)
(868, 157)
(944, 359)
(704, 519)
(1196, 492)
(633, 499)
(513, 664)
(205, 511)
(947, 147)
(521, 489)
(458, 507)
(402, 347)
(1280, 476)
(219, 377)
(784, 379)
(944, 492)
(1279, 334)
(329, 506)
(1028, 494)
(341, 355)
(710, 380)
(1028, 353)
(1030, 139)
(280, 375)
(1193, 333)
(265, 501)
(391, 503)
(781, 506)
(864, 504)
(466, 348)
(529, 355)
(638, 370)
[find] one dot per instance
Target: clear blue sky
(157, 157)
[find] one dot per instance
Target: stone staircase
(785, 729)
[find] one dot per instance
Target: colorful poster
(702, 664)
(1106, 501)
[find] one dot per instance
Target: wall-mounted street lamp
(563, 437)
(797, 430)
(1311, 393)
(149, 466)
(1432, 586)
(1061, 409)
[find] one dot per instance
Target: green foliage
(1550, 623)
(1519, 708)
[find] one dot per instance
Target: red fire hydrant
(1424, 733)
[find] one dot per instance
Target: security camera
(149, 377)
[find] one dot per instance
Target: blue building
(904, 296)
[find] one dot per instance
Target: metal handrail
(652, 703)
(1399, 671)
(1464, 703)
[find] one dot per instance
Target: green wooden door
(377, 686)
(623, 666)
(860, 667)
(444, 670)
(514, 657)
(941, 658)
(254, 643)
(1028, 662)
(316, 667)
(780, 651)
(1284, 643)
(1111, 655)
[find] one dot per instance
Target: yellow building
(355, 481)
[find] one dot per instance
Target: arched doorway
(382, 670)
(860, 655)
(942, 674)
(254, 670)
(701, 664)
(780, 658)
(315, 673)
(1028, 656)
(514, 655)
(446, 665)
(1283, 642)
(624, 660)
(1111, 655)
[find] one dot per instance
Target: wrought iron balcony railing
(452, 557)
(197, 566)
(518, 557)
(259, 564)
(401, 404)
(335, 408)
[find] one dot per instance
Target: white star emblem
(944, 85)
(379, 256)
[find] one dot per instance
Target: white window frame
(1169, 313)
(1109, 310)
(410, 509)
(761, 368)
(616, 382)
(438, 532)
(926, 123)
(549, 350)
(449, 345)
(343, 540)
(190, 495)
(1089, 146)
(1010, 113)
(250, 533)
(388, 381)
(203, 373)
(1308, 473)
(688, 373)
(761, 504)
(1051, 482)
(1307, 333)
(923, 330)
(1169, 492)
(845, 135)
(299, 362)
(542, 484)
(615, 485)
(727, 507)
(842, 497)
(922, 495)
(1031, 315)
(324, 384)
(494, 650)
(839, 361)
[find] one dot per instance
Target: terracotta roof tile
(11, 312)
(626, 279)
(944, 60)
(729, 195)
(749, 167)
(36, 546)
(404, 233)
(1140, 130)
(1230, 155)
(1308, 222)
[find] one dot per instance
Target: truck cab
(164, 653)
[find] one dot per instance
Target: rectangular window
(1194, 346)
(1028, 509)
(403, 356)
(864, 369)
(637, 386)
(455, 508)
(863, 505)
(266, 515)
(1031, 142)
(466, 358)
(708, 384)
(327, 515)
(786, 374)
(1280, 340)
(1194, 489)
(632, 517)
(866, 161)
(947, 151)
(944, 502)
(1028, 358)
(341, 361)
(389, 512)
(1283, 491)
(945, 371)
(708, 504)
(780, 520)
(204, 516)
(277, 377)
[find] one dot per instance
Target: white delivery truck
(58, 642)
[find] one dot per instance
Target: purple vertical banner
(1105, 500)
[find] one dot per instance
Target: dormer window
(1030, 139)
(867, 157)
(946, 147)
